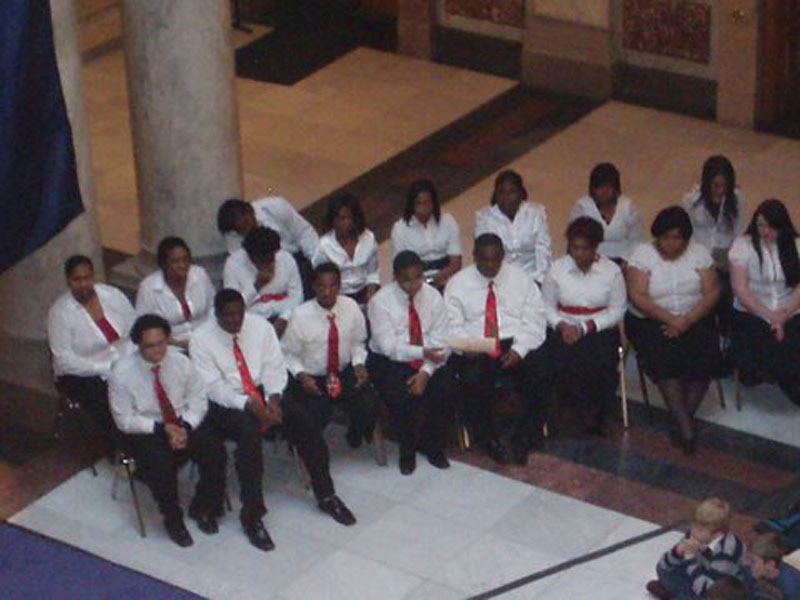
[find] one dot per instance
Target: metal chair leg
(623, 388)
(115, 481)
(126, 461)
(720, 394)
(645, 394)
(464, 441)
(737, 384)
(378, 446)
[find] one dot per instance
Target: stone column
(416, 21)
(28, 289)
(184, 118)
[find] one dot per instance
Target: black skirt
(760, 357)
(586, 371)
(693, 356)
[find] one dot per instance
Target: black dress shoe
(178, 533)
(439, 460)
(656, 589)
(497, 451)
(205, 522)
(408, 464)
(258, 536)
(334, 507)
(353, 438)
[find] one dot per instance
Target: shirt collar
(573, 269)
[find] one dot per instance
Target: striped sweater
(723, 556)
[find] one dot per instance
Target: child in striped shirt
(708, 552)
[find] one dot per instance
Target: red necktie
(187, 312)
(108, 330)
(248, 385)
(332, 369)
(167, 410)
(414, 332)
(491, 326)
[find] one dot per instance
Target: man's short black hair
(148, 321)
(327, 267)
(228, 212)
(485, 240)
(226, 296)
(406, 259)
(261, 242)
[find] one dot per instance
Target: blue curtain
(39, 193)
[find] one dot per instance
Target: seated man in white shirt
(236, 218)
(326, 354)
(407, 364)
(493, 299)
(240, 360)
(266, 276)
(159, 404)
(87, 328)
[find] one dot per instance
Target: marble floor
(433, 535)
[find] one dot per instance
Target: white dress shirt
(295, 232)
(357, 272)
(622, 234)
(431, 241)
(240, 274)
(155, 296)
(674, 285)
(526, 238)
(132, 393)
(211, 349)
(602, 286)
(520, 309)
(305, 342)
(765, 279)
(710, 232)
(388, 317)
(78, 345)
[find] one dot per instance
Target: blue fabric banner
(39, 193)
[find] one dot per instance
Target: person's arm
(383, 335)
(219, 389)
(533, 326)
(124, 309)
(454, 251)
(709, 290)
(65, 359)
(482, 222)
(294, 292)
(633, 229)
(359, 349)
(576, 211)
(292, 345)
(274, 376)
(727, 560)
(122, 401)
(372, 268)
(741, 288)
(299, 229)
(439, 331)
(399, 242)
(550, 299)
(543, 248)
(618, 302)
(209, 292)
(453, 303)
(673, 558)
(145, 301)
(638, 282)
(196, 397)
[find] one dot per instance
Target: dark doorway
(778, 109)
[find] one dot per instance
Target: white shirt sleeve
(64, 357)
(533, 326)
(292, 344)
(543, 248)
(384, 338)
(218, 388)
(550, 299)
(373, 270)
(196, 399)
(453, 236)
(273, 365)
(633, 228)
(299, 229)
(618, 302)
(359, 349)
(122, 401)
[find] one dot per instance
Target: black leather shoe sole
(337, 510)
(439, 460)
(179, 534)
(258, 536)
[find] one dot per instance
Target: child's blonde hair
(713, 513)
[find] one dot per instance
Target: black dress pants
(418, 422)
(158, 465)
(358, 403)
(92, 394)
(482, 382)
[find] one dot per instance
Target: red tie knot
(155, 369)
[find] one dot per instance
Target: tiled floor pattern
(432, 535)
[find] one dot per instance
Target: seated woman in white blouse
(717, 209)
(87, 328)
(352, 247)
(673, 288)
(585, 299)
(618, 215)
(433, 236)
(180, 292)
(521, 224)
(765, 272)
